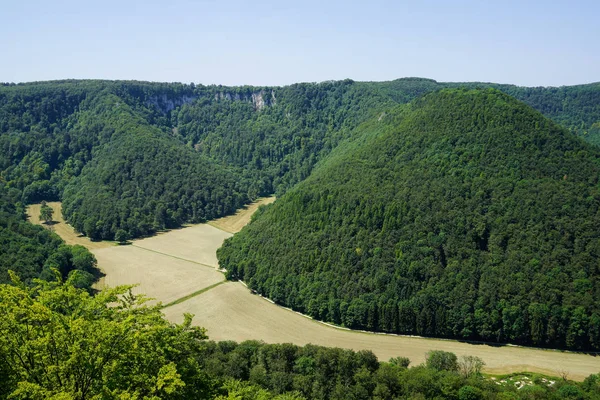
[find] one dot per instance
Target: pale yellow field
(174, 264)
(197, 243)
(166, 267)
(159, 276)
(62, 229)
(235, 223)
(231, 312)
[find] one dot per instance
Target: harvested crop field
(235, 223)
(178, 263)
(62, 229)
(159, 276)
(165, 267)
(231, 312)
(197, 243)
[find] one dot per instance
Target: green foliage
(257, 370)
(403, 362)
(576, 108)
(469, 393)
(462, 215)
(46, 212)
(465, 214)
(248, 142)
(121, 236)
(442, 360)
(31, 251)
(57, 341)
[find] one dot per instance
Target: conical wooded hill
(465, 214)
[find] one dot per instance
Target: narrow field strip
(189, 296)
(231, 312)
(235, 223)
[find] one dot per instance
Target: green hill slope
(466, 214)
(141, 180)
(201, 139)
(32, 251)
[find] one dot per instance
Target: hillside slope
(141, 180)
(212, 148)
(465, 214)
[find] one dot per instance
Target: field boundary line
(179, 258)
(219, 228)
(194, 294)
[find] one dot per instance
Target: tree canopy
(46, 212)
(184, 153)
(60, 342)
(465, 214)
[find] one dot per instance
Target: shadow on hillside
(479, 343)
(98, 274)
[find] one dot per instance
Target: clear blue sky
(531, 43)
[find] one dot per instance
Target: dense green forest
(142, 181)
(462, 214)
(33, 251)
(163, 154)
(576, 108)
(59, 342)
(137, 157)
(465, 214)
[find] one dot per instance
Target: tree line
(33, 251)
(59, 342)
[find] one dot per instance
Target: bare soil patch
(62, 229)
(235, 223)
(231, 312)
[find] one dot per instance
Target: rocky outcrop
(166, 104)
(260, 99)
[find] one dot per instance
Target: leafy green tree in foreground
(442, 360)
(58, 342)
(46, 212)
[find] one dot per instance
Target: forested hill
(140, 157)
(577, 108)
(465, 214)
(142, 180)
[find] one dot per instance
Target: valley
(454, 217)
(178, 263)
